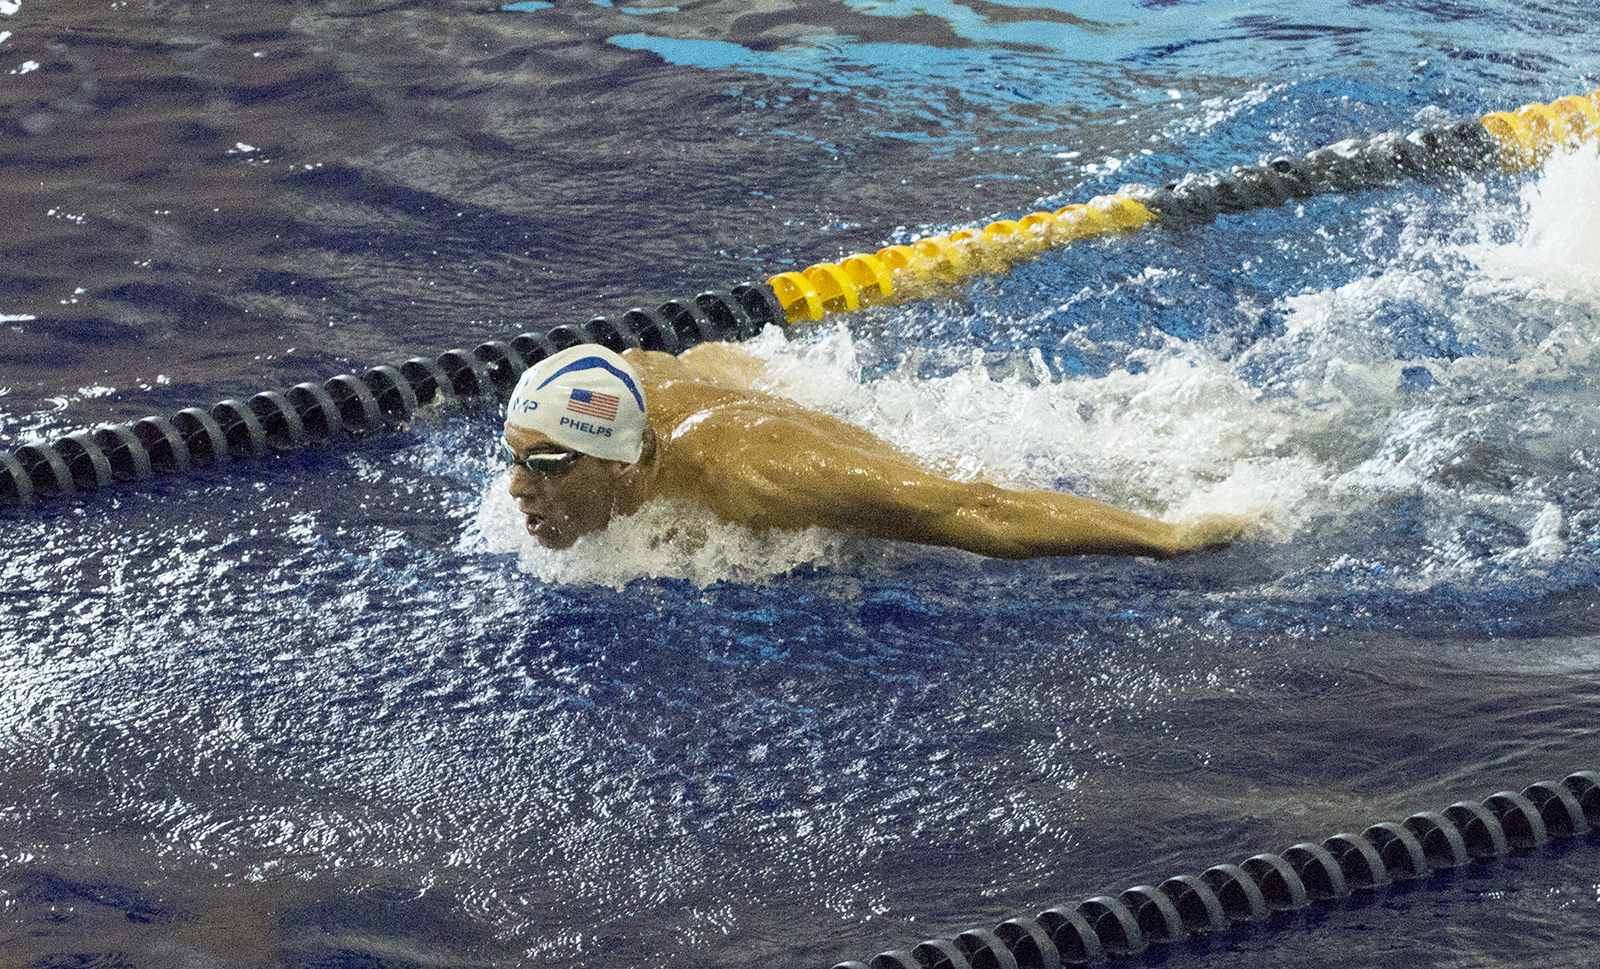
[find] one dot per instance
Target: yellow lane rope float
(1523, 139)
(1527, 135)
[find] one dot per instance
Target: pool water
(337, 709)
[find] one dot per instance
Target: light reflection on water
(332, 711)
(357, 740)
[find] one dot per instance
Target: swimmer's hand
(1207, 533)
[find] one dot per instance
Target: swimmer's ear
(649, 440)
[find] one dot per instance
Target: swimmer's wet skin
(584, 449)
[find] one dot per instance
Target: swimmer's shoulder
(707, 380)
(718, 364)
(723, 364)
(674, 391)
(655, 367)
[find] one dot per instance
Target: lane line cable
(1273, 890)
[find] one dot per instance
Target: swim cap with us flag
(586, 398)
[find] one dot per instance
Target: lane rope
(348, 407)
(1510, 140)
(1149, 920)
(387, 396)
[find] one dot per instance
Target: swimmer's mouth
(538, 526)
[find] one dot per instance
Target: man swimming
(586, 448)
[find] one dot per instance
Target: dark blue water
(331, 710)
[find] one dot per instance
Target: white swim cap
(585, 398)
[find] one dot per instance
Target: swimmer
(585, 448)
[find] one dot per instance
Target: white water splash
(1560, 248)
(1165, 442)
(667, 539)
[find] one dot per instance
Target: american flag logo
(592, 403)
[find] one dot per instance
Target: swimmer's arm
(1024, 524)
(790, 474)
(1033, 524)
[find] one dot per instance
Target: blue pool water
(335, 710)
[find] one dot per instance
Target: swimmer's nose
(523, 484)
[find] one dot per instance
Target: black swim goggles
(543, 464)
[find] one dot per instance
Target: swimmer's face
(561, 509)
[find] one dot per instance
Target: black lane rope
(1146, 921)
(1345, 167)
(349, 406)
(346, 406)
